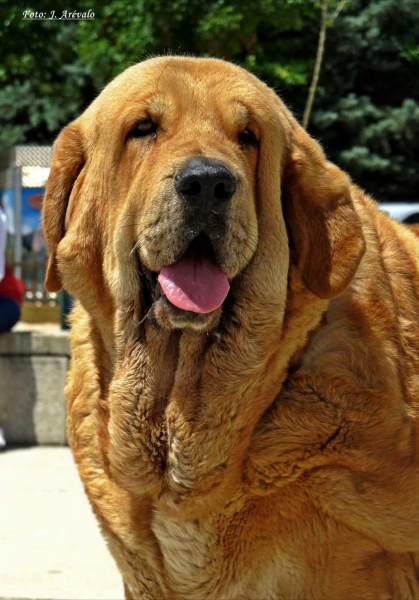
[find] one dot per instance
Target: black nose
(205, 183)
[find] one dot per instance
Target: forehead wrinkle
(180, 93)
(234, 114)
(241, 114)
(158, 105)
(193, 98)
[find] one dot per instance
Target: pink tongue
(194, 283)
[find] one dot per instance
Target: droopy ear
(67, 162)
(326, 231)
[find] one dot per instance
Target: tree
(51, 70)
(43, 82)
(252, 33)
(365, 111)
(326, 21)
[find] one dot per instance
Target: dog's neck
(175, 397)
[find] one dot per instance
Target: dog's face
(165, 195)
(189, 161)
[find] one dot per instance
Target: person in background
(11, 294)
(11, 288)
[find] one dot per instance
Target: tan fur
(270, 450)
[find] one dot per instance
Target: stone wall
(33, 367)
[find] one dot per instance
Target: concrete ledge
(33, 367)
(27, 343)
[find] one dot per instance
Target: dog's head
(180, 191)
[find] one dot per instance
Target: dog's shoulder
(370, 333)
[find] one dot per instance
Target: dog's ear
(67, 162)
(326, 232)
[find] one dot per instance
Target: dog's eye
(143, 129)
(247, 138)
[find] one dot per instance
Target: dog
(244, 383)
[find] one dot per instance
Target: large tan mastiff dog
(244, 388)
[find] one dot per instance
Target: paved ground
(50, 545)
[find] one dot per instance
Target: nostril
(222, 192)
(193, 188)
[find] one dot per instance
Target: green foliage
(248, 32)
(44, 83)
(385, 144)
(365, 113)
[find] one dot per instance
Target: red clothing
(11, 287)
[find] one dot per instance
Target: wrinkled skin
(269, 448)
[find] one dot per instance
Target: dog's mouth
(194, 286)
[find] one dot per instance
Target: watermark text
(63, 15)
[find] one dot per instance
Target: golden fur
(268, 450)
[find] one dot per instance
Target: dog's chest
(224, 557)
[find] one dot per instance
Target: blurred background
(365, 110)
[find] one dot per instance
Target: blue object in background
(31, 217)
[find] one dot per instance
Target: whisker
(145, 316)
(136, 245)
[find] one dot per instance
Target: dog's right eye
(143, 129)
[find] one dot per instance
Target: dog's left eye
(247, 138)
(143, 129)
